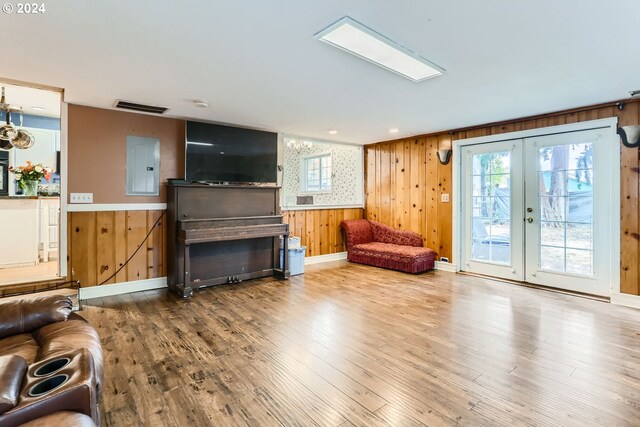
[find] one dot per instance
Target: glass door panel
(565, 183)
(561, 187)
(489, 173)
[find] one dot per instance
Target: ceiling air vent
(126, 105)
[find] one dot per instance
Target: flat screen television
(225, 154)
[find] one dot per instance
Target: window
(316, 173)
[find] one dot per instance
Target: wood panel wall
(404, 181)
(403, 185)
(100, 242)
(319, 229)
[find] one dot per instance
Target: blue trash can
(296, 260)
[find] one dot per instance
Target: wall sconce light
(444, 155)
(630, 136)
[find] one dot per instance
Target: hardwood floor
(42, 271)
(348, 345)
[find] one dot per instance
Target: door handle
(529, 220)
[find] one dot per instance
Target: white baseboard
(122, 288)
(325, 258)
(100, 207)
(626, 300)
(446, 266)
(19, 265)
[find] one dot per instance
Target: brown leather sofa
(50, 361)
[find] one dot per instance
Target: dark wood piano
(223, 234)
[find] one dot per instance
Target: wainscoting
(101, 242)
(319, 229)
(404, 181)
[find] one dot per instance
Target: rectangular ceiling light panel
(355, 38)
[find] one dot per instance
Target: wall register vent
(126, 105)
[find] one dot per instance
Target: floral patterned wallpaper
(348, 175)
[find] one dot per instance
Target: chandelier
(10, 135)
(298, 144)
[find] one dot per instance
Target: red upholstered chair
(372, 243)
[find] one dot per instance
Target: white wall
(347, 178)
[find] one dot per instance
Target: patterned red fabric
(372, 243)
(410, 259)
(385, 234)
(357, 231)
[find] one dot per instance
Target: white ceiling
(258, 65)
(27, 98)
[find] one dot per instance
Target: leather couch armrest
(12, 369)
(63, 418)
(22, 316)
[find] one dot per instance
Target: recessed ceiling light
(333, 131)
(355, 38)
(38, 108)
(394, 130)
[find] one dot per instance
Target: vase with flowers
(29, 175)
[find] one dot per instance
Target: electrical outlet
(81, 198)
(444, 197)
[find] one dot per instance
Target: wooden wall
(101, 242)
(403, 184)
(404, 180)
(319, 229)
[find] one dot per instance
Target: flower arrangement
(30, 172)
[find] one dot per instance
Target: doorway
(30, 223)
(538, 206)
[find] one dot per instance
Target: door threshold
(541, 287)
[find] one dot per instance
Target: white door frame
(64, 167)
(614, 160)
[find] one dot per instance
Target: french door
(536, 210)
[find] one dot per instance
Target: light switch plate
(444, 197)
(81, 198)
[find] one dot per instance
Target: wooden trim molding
(318, 259)
(320, 207)
(104, 207)
(122, 288)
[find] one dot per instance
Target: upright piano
(223, 234)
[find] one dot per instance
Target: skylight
(355, 38)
